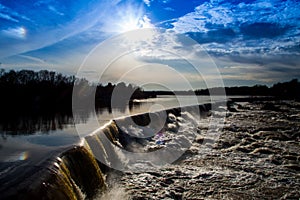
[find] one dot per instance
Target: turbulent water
(256, 156)
(212, 151)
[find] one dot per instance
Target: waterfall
(81, 166)
(74, 174)
(77, 172)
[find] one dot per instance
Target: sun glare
(129, 23)
(131, 18)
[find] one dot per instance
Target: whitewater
(235, 150)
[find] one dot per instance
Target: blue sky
(251, 42)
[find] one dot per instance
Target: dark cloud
(219, 36)
(272, 60)
(236, 2)
(262, 30)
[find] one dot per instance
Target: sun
(129, 23)
(131, 18)
(125, 18)
(134, 22)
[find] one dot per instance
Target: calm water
(17, 138)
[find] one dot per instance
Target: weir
(77, 172)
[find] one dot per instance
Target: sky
(158, 42)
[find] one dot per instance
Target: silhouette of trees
(48, 91)
(30, 99)
(30, 91)
(33, 101)
(286, 90)
(45, 91)
(28, 94)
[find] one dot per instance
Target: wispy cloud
(34, 59)
(255, 67)
(169, 9)
(11, 15)
(53, 9)
(44, 23)
(7, 17)
(18, 32)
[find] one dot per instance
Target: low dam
(78, 171)
(233, 150)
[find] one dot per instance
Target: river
(252, 152)
(60, 130)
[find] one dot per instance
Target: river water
(60, 130)
(28, 143)
(255, 154)
(22, 139)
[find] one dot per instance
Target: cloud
(243, 26)
(219, 36)
(262, 30)
(196, 21)
(144, 56)
(233, 15)
(18, 32)
(124, 18)
(168, 49)
(261, 74)
(11, 15)
(34, 59)
(19, 62)
(147, 2)
(54, 10)
(7, 17)
(249, 40)
(165, 1)
(264, 69)
(44, 24)
(169, 9)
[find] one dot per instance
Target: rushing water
(256, 156)
(26, 143)
(252, 153)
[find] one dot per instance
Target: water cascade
(77, 172)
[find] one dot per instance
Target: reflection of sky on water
(62, 132)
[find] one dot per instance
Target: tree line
(47, 91)
(285, 90)
(42, 100)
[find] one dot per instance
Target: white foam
(115, 192)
